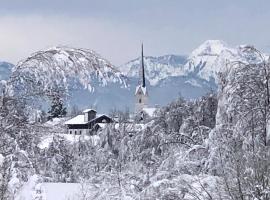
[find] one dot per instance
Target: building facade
(87, 123)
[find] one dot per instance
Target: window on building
(70, 132)
(80, 132)
(75, 132)
(140, 100)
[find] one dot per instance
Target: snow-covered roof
(88, 110)
(143, 89)
(79, 119)
(102, 125)
(150, 111)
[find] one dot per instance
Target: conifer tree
(57, 107)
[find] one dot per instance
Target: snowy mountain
(212, 57)
(63, 66)
(157, 68)
(92, 81)
(204, 62)
(82, 73)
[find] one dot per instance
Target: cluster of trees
(239, 147)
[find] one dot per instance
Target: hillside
(92, 81)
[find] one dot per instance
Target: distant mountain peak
(210, 48)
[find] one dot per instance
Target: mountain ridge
(168, 76)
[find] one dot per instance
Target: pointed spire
(143, 76)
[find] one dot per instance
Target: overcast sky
(116, 28)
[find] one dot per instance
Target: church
(141, 93)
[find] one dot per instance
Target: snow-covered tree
(57, 107)
(238, 144)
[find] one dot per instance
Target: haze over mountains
(168, 77)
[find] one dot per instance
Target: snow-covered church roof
(141, 88)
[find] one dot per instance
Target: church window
(140, 100)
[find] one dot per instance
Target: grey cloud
(115, 28)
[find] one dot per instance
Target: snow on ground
(150, 111)
(47, 140)
(75, 138)
(55, 122)
(61, 191)
(49, 191)
(28, 191)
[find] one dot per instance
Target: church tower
(141, 94)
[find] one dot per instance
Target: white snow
(1, 159)
(205, 62)
(156, 69)
(27, 192)
(141, 88)
(150, 111)
(45, 142)
(102, 125)
(88, 110)
(55, 121)
(209, 47)
(79, 119)
(64, 65)
(61, 191)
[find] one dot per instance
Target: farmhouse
(87, 123)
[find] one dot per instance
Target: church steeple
(143, 76)
(141, 94)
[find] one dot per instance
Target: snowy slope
(156, 68)
(212, 57)
(65, 67)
